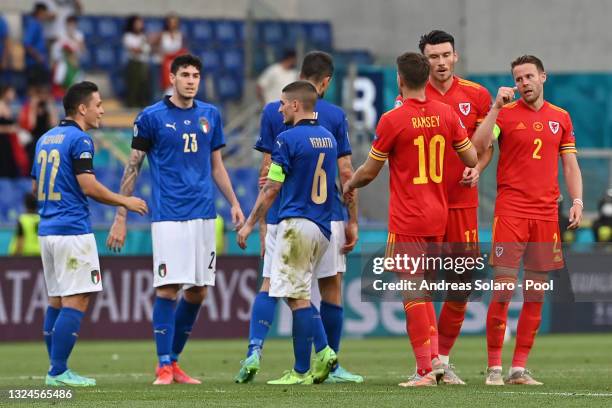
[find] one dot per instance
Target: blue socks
(163, 328)
(262, 316)
(319, 336)
(185, 316)
(50, 317)
(333, 318)
(302, 338)
(65, 333)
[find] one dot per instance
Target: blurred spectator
(602, 226)
(171, 45)
(12, 155)
(38, 115)
(66, 72)
(274, 78)
(138, 49)
(58, 13)
(25, 240)
(4, 44)
(72, 38)
(37, 55)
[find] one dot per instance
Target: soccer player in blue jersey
(304, 165)
(63, 176)
(181, 138)
(317, 68)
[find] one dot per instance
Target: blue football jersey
(308, 154)
(179, 143)
(61, 154)
(332, 118)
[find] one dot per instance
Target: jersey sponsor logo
(554, 126)
(465, 108)
(499, 250)
(521, 126)
(87, 142)
(538, 126)
(187, 122)
(171, 126)
(461, 123)
(85, 155)
(95, 277)
(162, 270)
(204, 125)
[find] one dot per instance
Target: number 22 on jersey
(43, 159)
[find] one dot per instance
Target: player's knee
(55, 301)
(196, 294)
(79, 302)
(295, 304)
(331, 289)
(167, 292)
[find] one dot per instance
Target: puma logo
(171, 126)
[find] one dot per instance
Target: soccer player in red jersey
(417, 138)
(471, 102)
(532, 133)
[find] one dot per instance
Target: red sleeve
(484, 104)
(459, 136)
(568, 140)
(384, 140)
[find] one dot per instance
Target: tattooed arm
(116, 236)
(266, 197)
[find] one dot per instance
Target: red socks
(528, 324)
(433, 329)
(418, 328)
(449, 325)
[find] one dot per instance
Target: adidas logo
(520, 126)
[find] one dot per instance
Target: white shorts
(70, 264)
(333, 260)
(184, 253)
(300, 246)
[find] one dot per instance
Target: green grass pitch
(576, 370)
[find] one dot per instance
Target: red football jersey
(417, 138)
(530, 143)
(471, 102)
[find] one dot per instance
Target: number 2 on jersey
(536, 151)
(436, 159)
(190, 147)
(318, 193)
(43, 159)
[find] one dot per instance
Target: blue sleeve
(217, 140)
(265, 142)
(82, 147)
(3, 28)
(82, 153)
(142, 138)
(30, 32)
(33, 172)
(281, 153)
(342, 138)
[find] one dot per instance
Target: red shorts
(413, 246)
(462, 225)
(537, 241)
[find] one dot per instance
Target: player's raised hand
(351, 234)
(470, 177)
(575, 216)
(137, 205)
(116, 235)
(505, 95)
(243, 234)
(237, 217)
